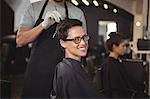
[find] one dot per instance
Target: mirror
(105, 28)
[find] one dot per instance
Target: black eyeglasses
(77, 40)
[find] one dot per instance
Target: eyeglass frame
(80, 38)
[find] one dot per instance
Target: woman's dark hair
(115, 39)
(63, 27)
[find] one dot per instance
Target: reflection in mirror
(105, 28)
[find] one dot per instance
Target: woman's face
(121, 49)
(76, 44)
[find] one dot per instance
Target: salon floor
(16, 85)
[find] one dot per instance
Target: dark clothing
(41, 66)
(46, 53)
(71, 81)
(115, 80)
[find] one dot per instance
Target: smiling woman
(116, 81)
(71, 81)
(73, 38)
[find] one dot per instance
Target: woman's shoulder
(108, 60)
(108, 63)
(63, 69)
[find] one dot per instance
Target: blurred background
(130, 17)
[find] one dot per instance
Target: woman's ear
(62, 43)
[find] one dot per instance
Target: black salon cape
(46, 53)
(71, 81)
(115, 80)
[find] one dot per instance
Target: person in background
(115, 80)
(71, 80)
(38, 26)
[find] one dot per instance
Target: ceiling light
(86, 2)
(138, 23)
(115, 10)
(105, 6)
(95, 3)
(75, 2)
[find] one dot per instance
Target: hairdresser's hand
(50, 18)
